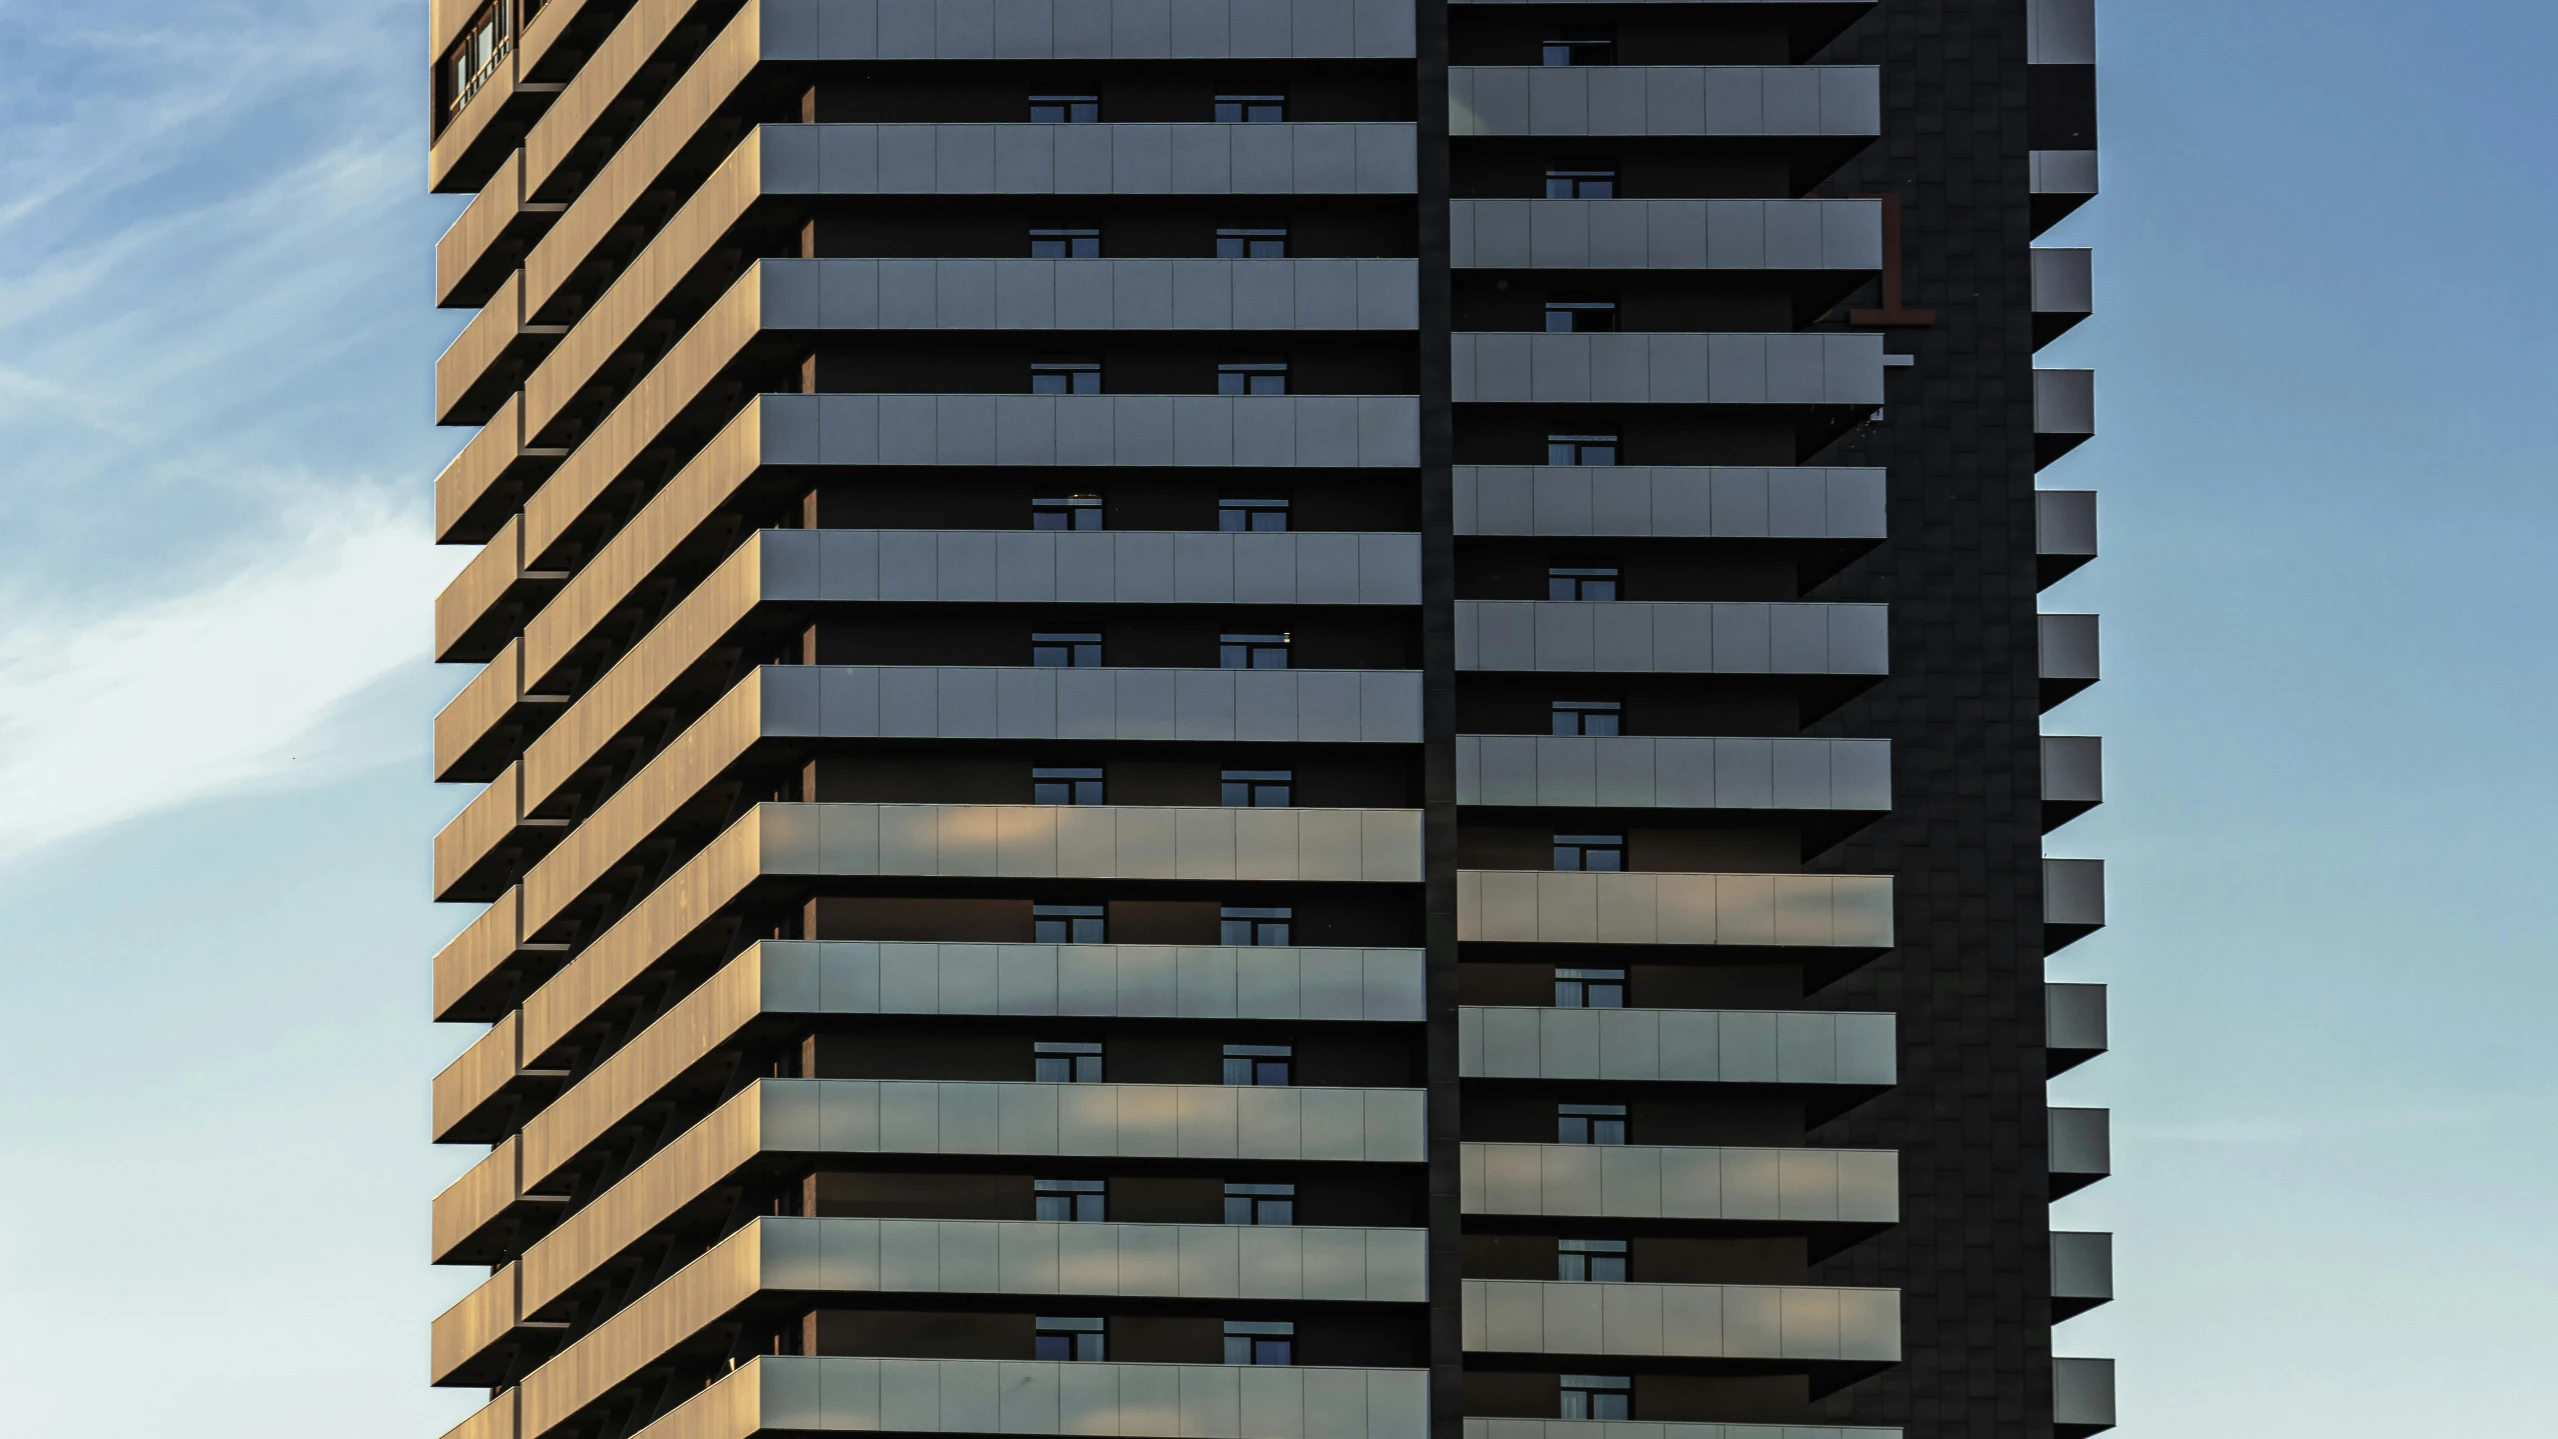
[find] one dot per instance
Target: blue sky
(2324, 368)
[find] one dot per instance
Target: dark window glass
(1065, 377)
(1066, 1062)
(1255, 924)
(1261, 1204)
(1253, 377)
(1065, 784)
(1598, 1396)
(1581, 184)
(1251, 109)
(1588, 717)
(1260, 1341)
(1589, 852)
(1252, 652)
(1256, 516)
(1588, 988)
(1580, 315)
(1589, 1124)
(1590, 1261)
(1256, 788)
(1065, 109)
(1074, 1341)
(1252, 244)
(1260, 1064)
(1582, 582)
(1065, 244)
(1068, 924)
(1074, 1201)
(1580, 47)
(1066, 512)
(1065, 650)
(1580, 449)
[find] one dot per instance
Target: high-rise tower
(1264, 719)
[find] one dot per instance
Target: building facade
(1264, 719)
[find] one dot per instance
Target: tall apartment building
(1264, 719)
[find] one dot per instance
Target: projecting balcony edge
(813, 842)
(2079, 1148)
(1502, 367)
(1748, 235)
(1668, 772)
(1677, 1046)
(2082, 1396)
(2064, 412)
(1737, 101)
(2064, 532)
(2074, 1025)
(2073, 900)
(2067, 654)
(799, 1260)
(1617, 1322)
(2064, 291)
(480, 369)
(1673, 637)
(1854, 1187)
(1722, 502)
(1755, 911)
(2082, 1271)
(778, 1394)
(2073, 777)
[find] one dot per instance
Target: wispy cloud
(104, 716)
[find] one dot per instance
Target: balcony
(1843, 506)
(2081, 1149)
(1856, 1189)
(489, 359)
(777, 983)
(1746, 911)
(2064, 412)
(2057, 183)
(2074, 1029)
(1502, 367)
(2073, 901)
(1837, 1333)
(789, 1394)
(2082, 1272)
(1833, 240)
(2073, 777)
(1719, 101)
(2064, 532)
(1806, 777)
(1728, 637)
(2064, 292)
(2082, 1397)
(2066, 656)
(1677, 1046)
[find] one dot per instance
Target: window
(1581, 582)
(1065, 1062)
(1252, 925)
(1598, 1396)
(1256, 788)
(1253, 377)
(1604, 852)
(1067, 924)
(1066, 512)
(1073, 1201)
(1074, 1341)
(1065, 784)
(1260, 1064)
(1580, 315)
(1065, 650)
(1065, 377)
(1065, 109)
(1252, 652)
(1580, 47)
(1590, 1261)
(1260, 1341)
(1251, 109)
(1577, 184)
(1065, 244)
(1580, 449)
(1243, 244)
(1261, 1204)
(1255, 516)
(485, 41)
(1588, 988)
(1588, 717)
(1589, 1124)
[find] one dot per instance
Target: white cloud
(104, 716)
